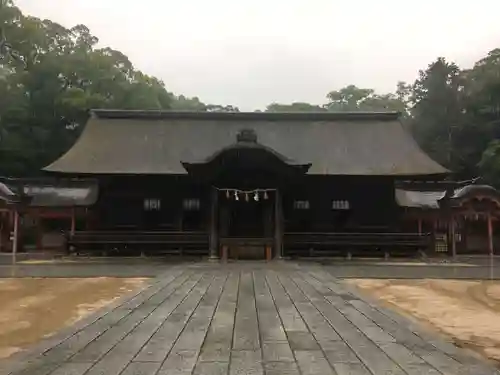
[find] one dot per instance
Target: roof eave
(244, 116)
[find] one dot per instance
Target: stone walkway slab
(247, 318)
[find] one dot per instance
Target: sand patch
(47, 261)
(424, 264)
(34, 308)
(467, 311)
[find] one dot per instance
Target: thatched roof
(152, 142)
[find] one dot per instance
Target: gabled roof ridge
(244, 116)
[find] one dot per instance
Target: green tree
(222, 108)
(482, 96)
(57, 75)
(348, 99)
(490, 163)
(354, 99)
(183, 103)
(438, 111)
(294, 107)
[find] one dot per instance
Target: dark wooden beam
(15, 239)
(214, 240)
(278, 225)
(452, 237)
(73, 220)
(490, 236)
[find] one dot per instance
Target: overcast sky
(252, 53)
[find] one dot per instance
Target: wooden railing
(294, 244)
(161, 241)
(325, 244)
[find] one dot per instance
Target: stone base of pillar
(213, 258)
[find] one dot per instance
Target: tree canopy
(50, 76)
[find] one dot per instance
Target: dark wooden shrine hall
(245, 184)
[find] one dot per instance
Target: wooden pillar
(39, 232)
(88, 219)
(225, 252)
(465, 230)
(490, 236)
(278, 226)
(452, 235)
(73, 221)
(1, 230)
(268, 253)
(214, 240)
(434, 233)
(15, 237)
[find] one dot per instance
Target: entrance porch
(246, 224)
(246, 179)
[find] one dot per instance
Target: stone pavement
(246, 318)
(137, 267)
(400, 270)
(476, 268)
